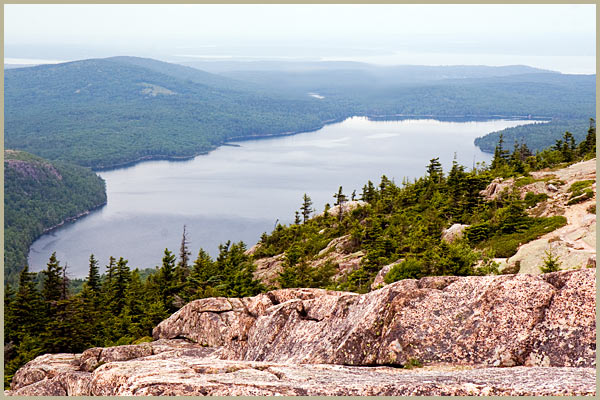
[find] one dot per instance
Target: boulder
(567, 335)
(455, 232)
(379, 281)
(320, 342)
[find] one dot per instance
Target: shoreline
(374, 117)
(64, 222)
(72, 219)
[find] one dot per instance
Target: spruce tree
(500, 155)
(119, 286)
(166, 281)
(26, 314)
(306, 207)
(182, 271)
(53, 280)
(93, 279)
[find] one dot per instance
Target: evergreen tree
(65, 332)
(110, 273)
(119, 286)
(340, 198)
(434, 170)
(587, 148)
(135, 307)
(500, 155)
(551, 263)
(182, 270)
(93, 279)
(53, 280)
(64, 288)
(25, 315)
(306, 207)
(166, 280)
(297, 219)
(203, 277)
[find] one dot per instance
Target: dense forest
(403, 221)
(106, 112)
(536, 136)
(39, 194)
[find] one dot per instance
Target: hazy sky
(552, 36)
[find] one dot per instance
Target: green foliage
(506, 245)
(100, 113)
(537, 136)
(531, 199)
(38, 195)
(551, 263)
(581, 191)
(104, 112)
(408, 269)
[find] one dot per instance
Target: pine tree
(119, 286)
(110, 273)
(25, 316)
(551, 263)
(340, 197)
(306, 207)
(500, 155)
(369, 193)
(434, 170)
(166, 280)
(93, 279)
(135, 307)
(53, 280)
(297, 219)
(182, 270)
(587, 148)
(202, 277)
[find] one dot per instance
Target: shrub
(531, 199)
(408, 269)
(551, 263)
(506, 245)
(478, 233)
(583, 196)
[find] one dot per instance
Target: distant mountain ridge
(109, 112)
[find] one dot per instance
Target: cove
(238, 192)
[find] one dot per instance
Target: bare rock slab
(186, 374)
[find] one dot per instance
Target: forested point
(40, 194)
(403, 221)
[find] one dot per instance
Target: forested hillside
(396, 221)
(39, 194)
(107, 112)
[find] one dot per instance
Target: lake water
(236, 193)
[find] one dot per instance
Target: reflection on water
(236, 193)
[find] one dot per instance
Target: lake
(238, 192)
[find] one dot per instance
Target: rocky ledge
(496, 335)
